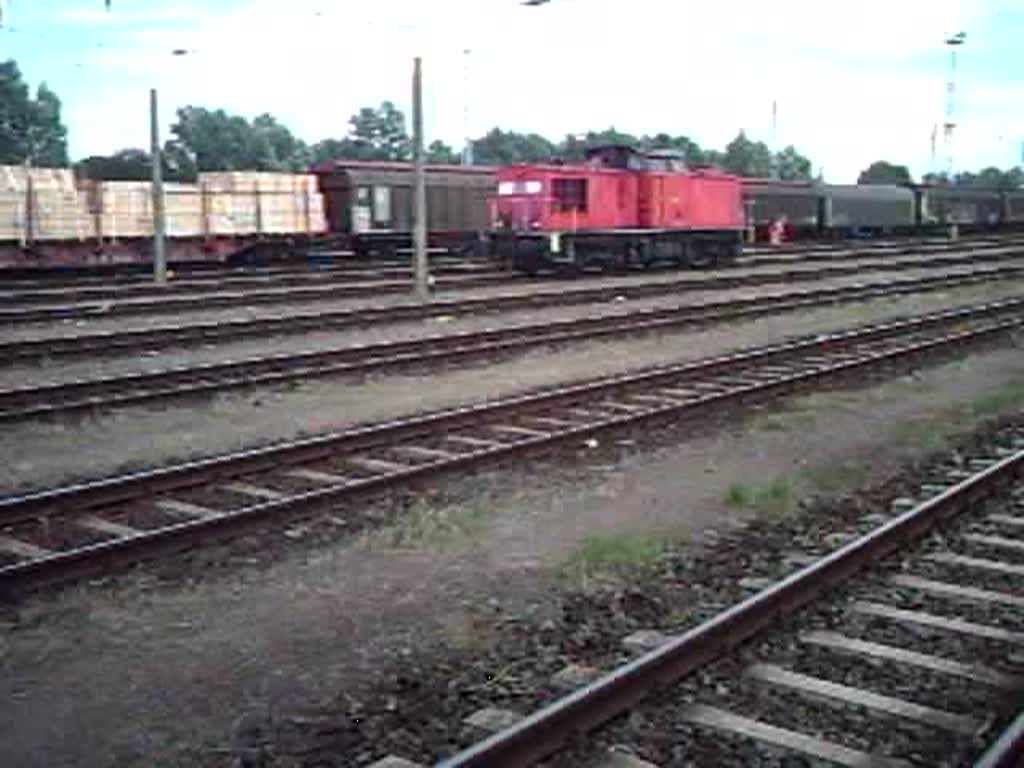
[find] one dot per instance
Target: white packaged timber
(41, 204)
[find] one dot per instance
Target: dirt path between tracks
(136, 672)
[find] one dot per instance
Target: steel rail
(552, 727)
(172, 304)
(78, 499)
(15, 295)
(1008, 750)
(18, 292)
(112, 342)
(90, 394)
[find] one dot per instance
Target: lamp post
(159, 209)
(159, 223)
(419, 214)
(467, 150)
(949, 127)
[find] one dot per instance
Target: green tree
(127, 165)
(992, 178)
(206, 140)
(440, 153)
(747, 158)
(29, 128)
(212, 140)
(287, 153)
(379, 134)
(48, 134)
(884, 172)
(692, 152)
(792, 165)
(123, 165)
(331, 149)
(499, 147)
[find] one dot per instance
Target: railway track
(143, 274)
(895, 645)
(93, 394)
(119, 342)
(17, 293)
(177, 301)
(77, 530)
(149, 304)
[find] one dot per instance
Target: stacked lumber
(259, 202)
(46, 198)
(125, 209)
(54, 206)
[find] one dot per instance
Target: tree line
(884, 172)
(213, 140)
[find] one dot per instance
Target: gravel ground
(71, 369)
(339, 653)
(43, 453)
(71, 327)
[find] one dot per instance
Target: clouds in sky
(854, 83)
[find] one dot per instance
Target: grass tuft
(1005, 398)
(425, 526)
(774, 498)
(615, 554)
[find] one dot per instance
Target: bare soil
(137, 672)
(43, 453)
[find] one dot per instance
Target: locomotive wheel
(702, 254)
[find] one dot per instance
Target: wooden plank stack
(41, 203)
(247, 202)
(234, 203)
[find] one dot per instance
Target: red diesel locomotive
(620, 209)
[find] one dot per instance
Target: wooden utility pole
(419, 212)
(159, 225)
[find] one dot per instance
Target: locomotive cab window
(569, 195)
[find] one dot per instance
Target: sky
(853, 82)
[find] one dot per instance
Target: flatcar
(52, 218)
(621, 209)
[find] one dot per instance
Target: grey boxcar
(874, 207)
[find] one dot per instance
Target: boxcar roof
(332, 166)
(341, 173)
(870, 191)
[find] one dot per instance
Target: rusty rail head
(552, 727)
